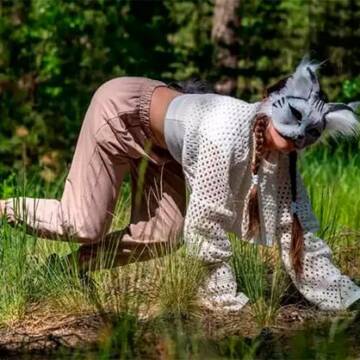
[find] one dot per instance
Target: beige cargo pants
(115, 138)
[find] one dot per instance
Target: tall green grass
(260, 275)
(165, 288)
(166, 284)
(333, 182)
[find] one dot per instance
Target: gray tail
(192, 86)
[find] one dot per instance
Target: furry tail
(192, 86)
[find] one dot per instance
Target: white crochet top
(211, 136)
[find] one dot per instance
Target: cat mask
(299, 110)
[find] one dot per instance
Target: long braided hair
(260, 126)
(297, 235)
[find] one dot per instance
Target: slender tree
(225, 35)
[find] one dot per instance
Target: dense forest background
(55, 53)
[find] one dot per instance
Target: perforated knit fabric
(216, 158)
(322, 282)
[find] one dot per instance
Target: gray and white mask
(299, 111)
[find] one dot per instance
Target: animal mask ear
(342, 119)
(304, 80)
(355, 106)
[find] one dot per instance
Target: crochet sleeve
(210, 210)
(322, 282)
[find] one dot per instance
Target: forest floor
(43, 332)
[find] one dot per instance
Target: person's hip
(123, 106)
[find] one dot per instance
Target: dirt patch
(45, 333)
(39, 333)
(219, 324)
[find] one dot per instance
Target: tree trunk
(225, 33)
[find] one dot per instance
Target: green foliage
(274, 36)
(190, 39)
(54, 54)
(351, 89)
